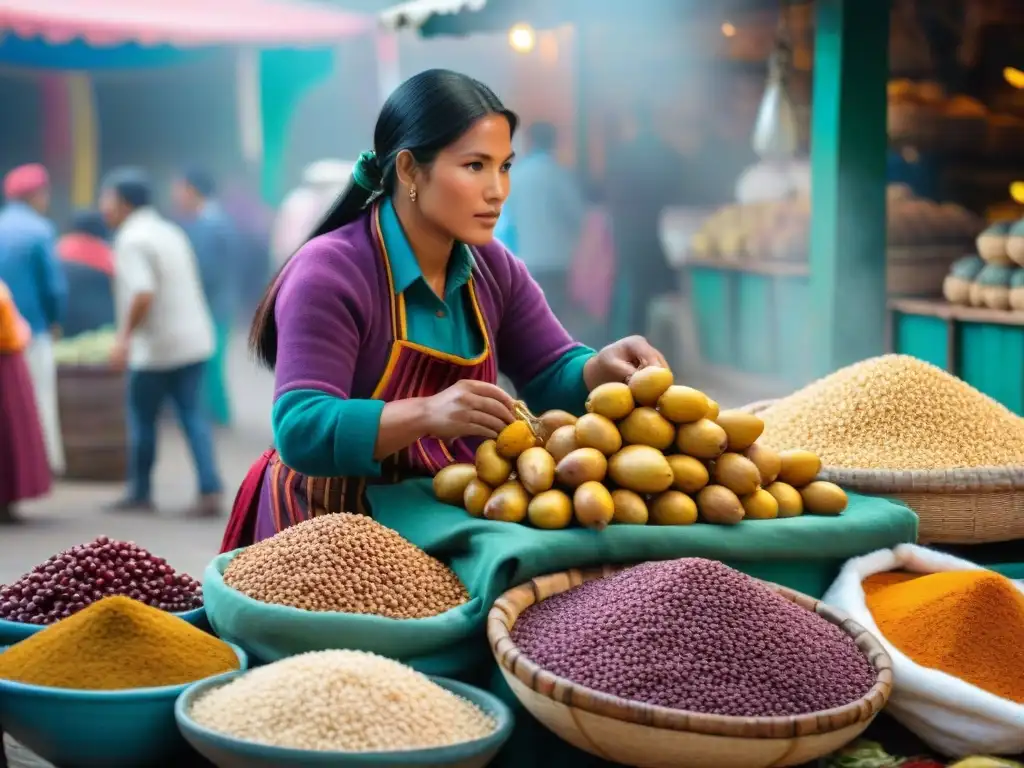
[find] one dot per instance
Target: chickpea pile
(346, 563)
(649, 451)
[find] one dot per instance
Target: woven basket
(979, 505)
(649, 736)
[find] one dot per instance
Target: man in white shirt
(165, 335)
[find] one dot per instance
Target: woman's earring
(412, 193)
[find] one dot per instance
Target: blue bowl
(97, 729)
(12, 632)
(227, 752)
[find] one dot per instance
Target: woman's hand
(620, 360)
(469, 408)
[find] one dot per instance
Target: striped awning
(415, 13)
(180, 23)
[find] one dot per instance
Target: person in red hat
(33, 274)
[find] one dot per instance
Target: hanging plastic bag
(952, 716)
(775, 131)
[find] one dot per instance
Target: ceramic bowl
(96, 729)
(227, 752)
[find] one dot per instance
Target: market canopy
(182, 23)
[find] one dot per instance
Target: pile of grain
(341, 701)
(117, 643)
(896, 412)
(695, 635)
(346, 563)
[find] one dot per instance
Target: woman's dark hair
(425, 114)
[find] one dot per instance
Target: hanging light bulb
(522, 38)
(728, 30)
(1017, 192)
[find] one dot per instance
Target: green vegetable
(967, 267)
(995, 275)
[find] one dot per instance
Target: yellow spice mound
(895, 412)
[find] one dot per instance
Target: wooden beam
(848, 165)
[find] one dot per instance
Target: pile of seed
(347, 701)
(346, 563)
(895, 412)
(695, 635)
(75, 578)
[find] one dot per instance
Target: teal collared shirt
(326, 436)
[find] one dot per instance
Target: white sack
(951, 716)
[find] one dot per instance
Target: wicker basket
(649, 736)
(980, 505)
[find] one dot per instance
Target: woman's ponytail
(363, 188)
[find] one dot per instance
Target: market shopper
(29, 266)
(24, 469)
(387, 329)
(216, 245)
(88, 263)
(165, 336)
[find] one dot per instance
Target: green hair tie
(366, 173)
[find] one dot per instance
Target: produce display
(993, 278)
(341, 701)
(695, 635)
(116, 644)
(780, 229)
(922, 113)
(967, 624)
(895, 412)
(645, 452)
(89, 348)
(77, 577)
(346, 563)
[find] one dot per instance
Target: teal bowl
(12, 632)
(227, 752)
(97, 729)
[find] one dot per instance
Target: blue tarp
(78, 55)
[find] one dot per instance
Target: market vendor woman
(387, 329)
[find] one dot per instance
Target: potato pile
(649, 451)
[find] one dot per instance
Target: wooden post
(848, 163)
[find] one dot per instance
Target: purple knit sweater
(334, 318)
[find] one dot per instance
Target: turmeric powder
(115, 644)
(968, 624)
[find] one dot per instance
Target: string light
(522, 38)
(728, 30)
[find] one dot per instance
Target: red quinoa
(695, 635)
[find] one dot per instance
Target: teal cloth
(804, 553)
(218, 401)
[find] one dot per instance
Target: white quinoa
(895, 412)
(346, 701)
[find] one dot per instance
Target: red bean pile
(77, 577)
(695, 635)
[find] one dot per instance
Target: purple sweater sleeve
(320, 321)
(529, 338)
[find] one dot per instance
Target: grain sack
(339, 582)
(950, 715)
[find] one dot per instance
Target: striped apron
(273, 496)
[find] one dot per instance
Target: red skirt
(24, 468)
